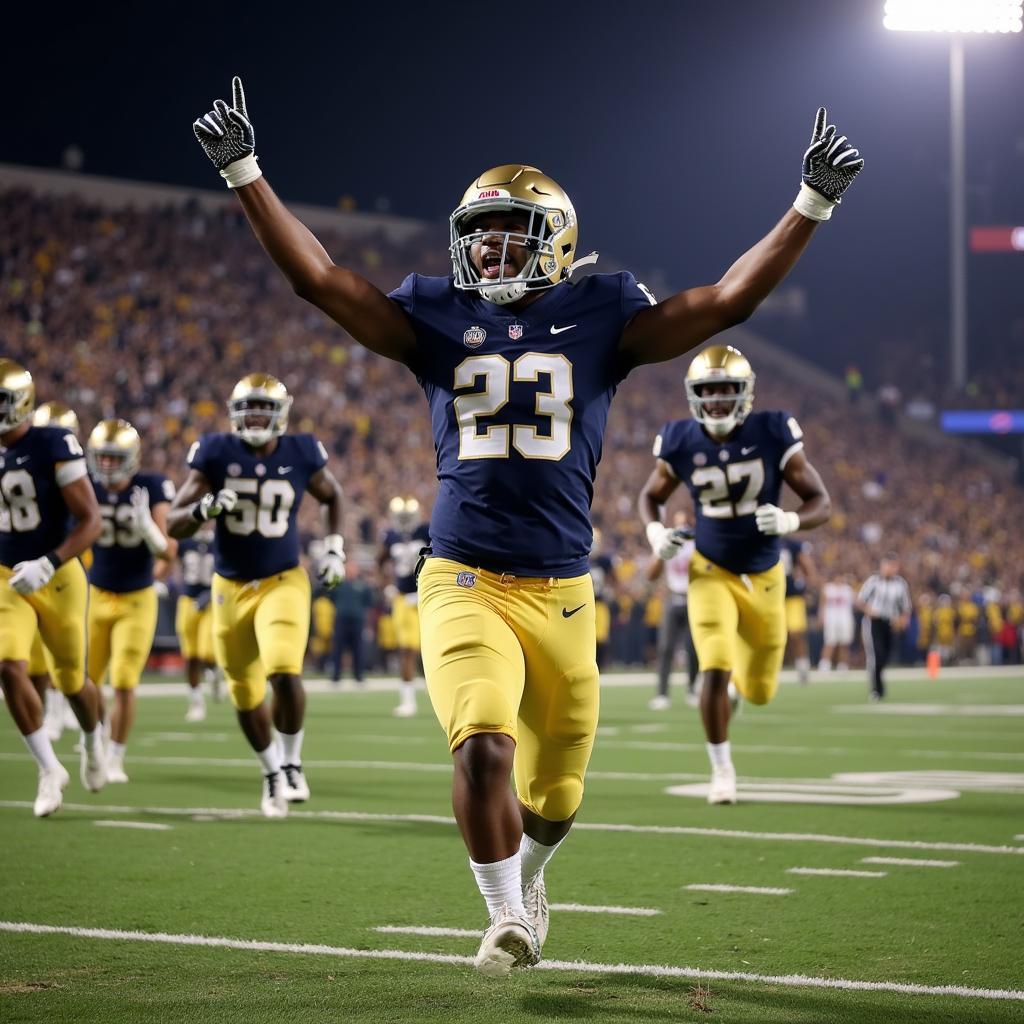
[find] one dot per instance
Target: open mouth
(492, 267)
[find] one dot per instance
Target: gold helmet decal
(258, 408)
(113, 452)
(548, 242)
(56, 414)
(17, 394)
(724, 370)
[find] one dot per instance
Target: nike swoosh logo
(23, 458)
(772, 587)
(747, 451)
(566, 614)
(59, 588)
(558, 330)
(284, 469)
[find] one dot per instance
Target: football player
(193, 618)
(519, 365)
(132, 551)
(251, 482)
(406, 536)
(734, 463)
(43, 486)
(799, 569)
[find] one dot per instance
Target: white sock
(803, 669)
(825, 665)
(500, 883)
(842, 666)
(720, 754)
(41, 749)
(50, 706)
(196, 695)
(270, 758)
(291, 746)
(116, 749)
(534, 856)
(91, 740)
(408, 692)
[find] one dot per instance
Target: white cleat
(115, 769)
(50, 794)
(274, 803)
(94, 766)
(407, 709)
(54, 725)
(535, 899)
(296, 788)
(723, 786)
(196, 711)
(659, 703)
(510, 941)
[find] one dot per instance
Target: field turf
(295, 906)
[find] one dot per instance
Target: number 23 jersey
(259, 537)
(729, 480)
(518, 406)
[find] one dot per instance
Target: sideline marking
(235, 813)
(837, 872)
(586, 908)
(910, 862)
(760, 890)
(957, 710)
(790, 980)
(144, 826)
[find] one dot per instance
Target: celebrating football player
(193, 620)
(131, 552)
(43, 486)
(251, 482)
(734, 463)
(519, 365)
(404, 539)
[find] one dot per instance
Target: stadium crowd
(153, 314)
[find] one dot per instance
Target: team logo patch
(699, 459)
(234, 469)
(515, 331)
(474, 337)
(550, 266)
(220, 599)
(723, 455)
(260, 470)
(466, 579)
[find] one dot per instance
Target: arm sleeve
(68, 457)
(635, 296)
(790, 435)
(199, 456)
(161, 490)
(317, 454)
(405, 294)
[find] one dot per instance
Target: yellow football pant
(796, 614)
(406, 618)
(58, 612)
(323, 627)
(515, 656)
(260, 628)
(194, 627)
(121, 631)
(37, 658)
(739, 623)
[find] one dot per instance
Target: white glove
(152, 535)
(771, 520)
(227, 138)
(665, 543)
(28, 577)
(332, 564)
(210, 506)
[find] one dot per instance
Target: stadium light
(956, 17)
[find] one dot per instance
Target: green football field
(873, 871)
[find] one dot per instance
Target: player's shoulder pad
(309, 448)
(206, 449)
(160, 487)
(673, 437)
(60, 444)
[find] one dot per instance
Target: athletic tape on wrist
(242, 172)
(811, 204)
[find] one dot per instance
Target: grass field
(214, 914)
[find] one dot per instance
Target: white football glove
(666, 543)
(210, 506)
(774, 522)
(227, 138)
(151, 534)
(28, 577)
(830, 164)
(332, 564)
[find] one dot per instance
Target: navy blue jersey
(518, 406)
(121, 562)
(402, 547)
(196, 556)
(34, 517)
(728, 480)
(790, 551)
(258, 538)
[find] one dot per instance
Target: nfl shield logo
(466, 579)
(474, 337)
(515, 331)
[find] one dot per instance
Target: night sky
(676, 127)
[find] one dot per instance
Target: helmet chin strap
(503, 294)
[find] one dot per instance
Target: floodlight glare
(953, 15)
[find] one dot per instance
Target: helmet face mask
(720, 389)
(17, 395)
(113, 452)
(258, 409)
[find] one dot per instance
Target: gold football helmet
(258, 408)
(720, 414)
(17, 395)
(405, 512)
(56, 414)
(550, 237)
(113, 452)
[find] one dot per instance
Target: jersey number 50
(266, 513)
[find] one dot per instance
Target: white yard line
(585, 826)
(836, 872)
(754, 748)
(142, 826)
(587, 908)
(758, 890)
(422, 929)
(579, 967)
(910, 862)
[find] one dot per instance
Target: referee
(885, 601)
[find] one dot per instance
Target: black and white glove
(666, 543)
(774, 522)
(830, 164)
(227, 138)
(332, 564)
(145, 524)
(210, 506)
(28, 577)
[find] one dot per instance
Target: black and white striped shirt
(885, 598)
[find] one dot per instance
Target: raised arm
(226, 135)
(324, 486)
(691, 317)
